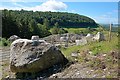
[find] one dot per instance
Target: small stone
(87, 72)
(94, 75)
(103, 76)
(104, 55)
(8, 76)
(41, 77)
(104, 69)
(90, 52)
(75, 59)
(74, 54)
(55, 76)
(91, 70)
(77, 73)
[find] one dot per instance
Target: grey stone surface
(13, 38)
(35, 38)
(82, 41)
(99, 36)
(25, 57)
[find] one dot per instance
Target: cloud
(62, 0)
(17, 0)
(106, 19)
(50, 5)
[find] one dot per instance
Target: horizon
(100, 12)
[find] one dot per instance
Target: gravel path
(74, 71)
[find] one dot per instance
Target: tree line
(27, 23)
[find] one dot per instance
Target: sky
(101, 12)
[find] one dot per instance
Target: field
(99, 56)
(104, 46)
(93, 60)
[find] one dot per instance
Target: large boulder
(82, 41)
(52, 38)
(63, 39)
(33, 56)
(99, 36)
(89, 37)
(13, 38)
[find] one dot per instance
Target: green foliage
(24, 23)
(87, 30)
(54, 30)
(77, 31)
(43, 30)
(4, 42)
(74, 30)
(96, 49)
(62, 31)
(57, 30)
(56, 24)
(46, 23)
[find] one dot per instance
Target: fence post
(110, 32)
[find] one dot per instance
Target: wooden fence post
(110, 32)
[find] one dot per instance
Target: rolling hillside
(27, 23)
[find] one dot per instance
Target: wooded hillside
(27, 23)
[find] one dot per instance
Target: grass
(73, 30)
(83, 30)
(98, 49)
(95, 47)
(96, 61)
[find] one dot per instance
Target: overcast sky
(102, 12)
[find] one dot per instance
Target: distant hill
(27, 22)
(64, 19)
(107, 26)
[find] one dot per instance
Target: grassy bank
(101, 57)
(95, 47)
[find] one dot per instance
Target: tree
(56, 25)
(24, 23)
(43, 31)
(46, 23)
(62, 31)
(54, 30)
(9, 26)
